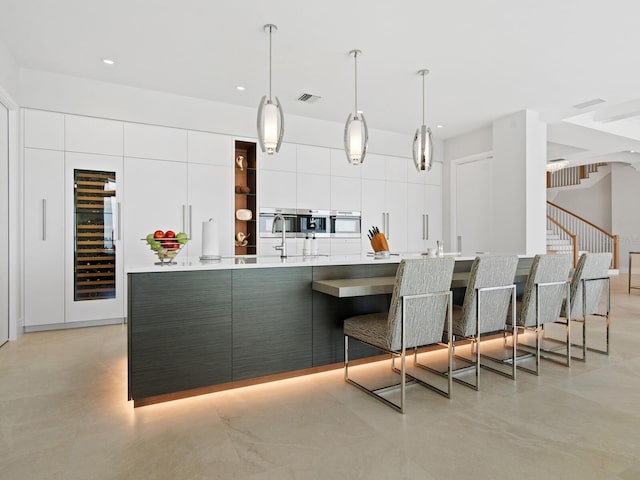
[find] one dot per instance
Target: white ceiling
(487, 58)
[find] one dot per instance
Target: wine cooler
(95, 211)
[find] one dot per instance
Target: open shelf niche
(246, 194)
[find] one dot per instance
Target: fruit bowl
(166, 249)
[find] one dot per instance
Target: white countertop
(268, 261)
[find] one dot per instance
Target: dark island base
(203, 331)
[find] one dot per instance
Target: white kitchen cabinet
(373, 209)
(340, 167)
(285, 160)
(384, 205)
(154, 142)
(434, 176)
(396, 169)
(156, 199)
(313, 160)
(93, 290)
(210, 195)
(346, 193)
(43, 129)
(313, 191)
(433, 208)
(373, 167)
(44, 241)
(277, 189)
(93, 135)
(209, 148)
(396, 207)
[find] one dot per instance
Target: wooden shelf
(246, 177)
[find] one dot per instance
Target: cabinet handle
(388, 227)
(44, 219)
(184, 218)
(460, 244)
(426, 226)
(119, 219)
(190, 232)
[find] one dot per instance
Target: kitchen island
(197, 327)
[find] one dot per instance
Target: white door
(89, 281)
(4, 224)
(210, 196)
(156, 199)
(44, 255)
(473, 209)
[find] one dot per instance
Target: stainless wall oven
(345, 224)
(316, 222)
(267, 215)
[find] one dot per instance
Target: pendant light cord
(423, 99)
(355, 57)
(270, 30)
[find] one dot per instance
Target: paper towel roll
(210, 240)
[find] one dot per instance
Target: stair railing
(571, 175)
(589, 237)
(564, 234)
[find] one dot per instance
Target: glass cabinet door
(95, 211)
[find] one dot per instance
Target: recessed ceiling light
(632, 151)
(240, 88)
(108, 61)
(439, 126)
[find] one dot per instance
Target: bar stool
(420, 303)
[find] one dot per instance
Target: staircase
(569, 233)
(571, 175)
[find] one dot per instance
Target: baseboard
(64, 326)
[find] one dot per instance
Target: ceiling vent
(309, 98)
(589, 103)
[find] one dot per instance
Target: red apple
(158, 234)
(169, 234)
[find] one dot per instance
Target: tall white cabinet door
(156, 199)
(79, 307)
(277, 189)
(396, 207)
(93, 135)
(433, 210)
(210, 195)
(416, 218)
(373, 209)
(44, 257)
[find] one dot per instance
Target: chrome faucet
(283, 246)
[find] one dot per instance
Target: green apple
(155, 245)
(150, 238)
(182, 237)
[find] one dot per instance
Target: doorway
(471, 204)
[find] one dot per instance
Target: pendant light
(422, 145)
(270, 116)
(356, 133)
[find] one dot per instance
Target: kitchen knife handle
(44, 219)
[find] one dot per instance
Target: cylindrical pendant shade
(356, 138)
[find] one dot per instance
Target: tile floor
(64, 415)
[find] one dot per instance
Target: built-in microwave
(316, 222)
(345, 224)
(268, 215)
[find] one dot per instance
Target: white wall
(8, 72)
(593, 203)
(625, 221)
(517, 143)
(63, 93)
